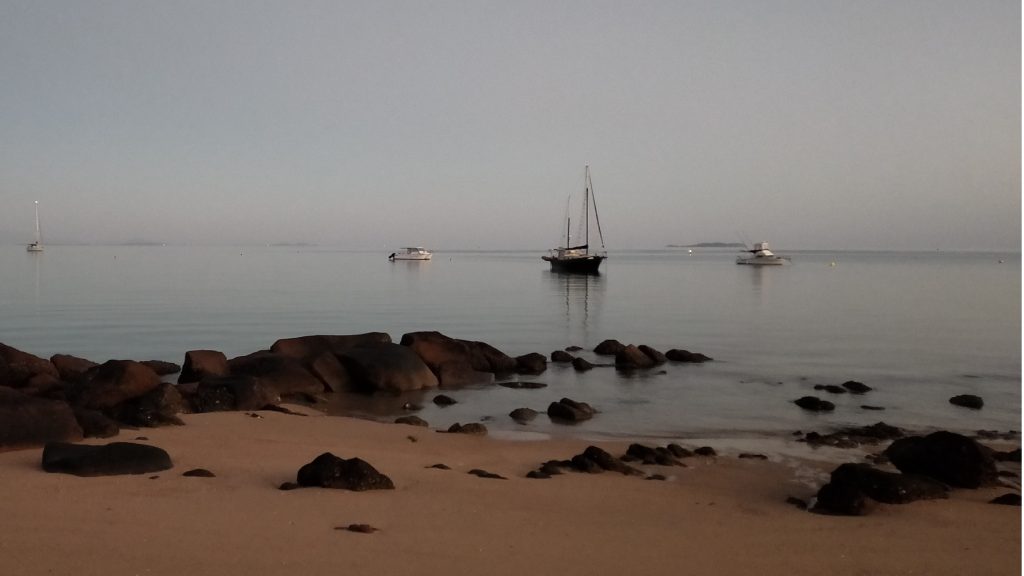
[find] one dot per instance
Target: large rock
(561, 357)
(162, 368)
(284, 374)
(225, 393)
(330, 471)
(679, 355)
(968, 401)
(609, 348)
(200, 363)
(946, 456)
(29, 421)
(156, 408)
(113, 382)
(532, 363)
(850, 483)
(594, 459)
(567, 410)
(814, 404)
(71, 368)
(388, 368)
(631, 357)
(17, 367)
(107, 460)
(96, 424)
(330, 371)
(655, 355)
(454, 362)
(309, 347)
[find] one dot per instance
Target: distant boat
(580, 259)
(410, 253)
(762, 256)
(37, 244)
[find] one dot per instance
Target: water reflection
(578, 291)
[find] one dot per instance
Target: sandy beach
(720, 515)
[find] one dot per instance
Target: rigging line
(596, 217)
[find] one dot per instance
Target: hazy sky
(862, 124)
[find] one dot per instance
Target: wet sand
(718, 515)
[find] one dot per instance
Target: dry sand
(717, 516)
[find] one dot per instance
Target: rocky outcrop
(284, 374)
(95, 424)
(201, 363)
(30, 421)
(106, 460)
(71, 368)
(161, 367)
(852, 484)
(655, 355)
(224, 393)
(18, 368)
(155, 408)
(566, 410)
(330, 471)
(594, 460)
(386, 368)
(106, 386)
(458, 362)
(656, 456)
(310, 347)
(946, 456)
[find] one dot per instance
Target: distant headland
(708, 245)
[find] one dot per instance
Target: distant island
(709, 245)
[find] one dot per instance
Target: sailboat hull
(588, 264)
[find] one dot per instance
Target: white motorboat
(37, 243)
(410, 253)
(762, 256)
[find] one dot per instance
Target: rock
(946, 456)
(71, 368)
(472, 428)
(678, 451)
(288, 486)
(360, 528)
(532, 363)
(162, 368)
(749, 456)
(630, 357)
(487, 358)
(17, 367)
(794, 501)
(444, 400)
(856, 387)
(519, 384)
(581, 365)
(594, 459)
(330, 471)
(1006, 456)
(283, 374)
(705, 451)
(199, 473)
(308, 348)
(200, 363)
(523, 415)
(1008, 499)
(221, 393)
(654, 355)
(850, 480)
(677, 355)
(968, 401)
(412, 421)
(855, 436)
(437, 350)
(573, 348)
(158, 407)
(387, 368)
(329, 370)
(867, 407)
(485, 474)
(815, 404)
(104, 460)
(830, 388)
(113, 382)
(652, 456)
(95, 424)
(538, 475)
(561, 357)
(570, 411)
(30, 421)
(440, 466)
(609, 348)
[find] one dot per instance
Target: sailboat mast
(586, 206)
(38, 234)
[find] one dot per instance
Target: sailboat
(580, 258)
(37, 245)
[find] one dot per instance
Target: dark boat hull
(577, 265)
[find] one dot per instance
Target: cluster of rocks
(594, 460)
(628, 356)
(815, 404)
(929, 467)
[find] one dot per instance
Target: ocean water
(917, 327)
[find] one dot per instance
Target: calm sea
(917, 327)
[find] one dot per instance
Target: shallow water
(917, 327)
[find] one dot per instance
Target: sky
(813, 124)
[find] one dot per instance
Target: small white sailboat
(37, 244)
(410, 253)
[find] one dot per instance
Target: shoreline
(718, 515)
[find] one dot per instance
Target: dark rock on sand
(443, 400)
(284, 374)
(440, 466)
(105, 460)
(1006, 456)
(794, 501)
(968, 401)
(523, 415)
(678, 451)
(609, 348)
(677, 355)
(330, 471)
(199, 473)
(814, 404)
(1008, 499)
(113, 382)
(387, 368)
(288, 486)
(581, 365)
(567, 410)
(96, 424)
(652, 456)
(561, 356)
(532, 363)
(855, 436)
(849, 483)
(856, 387)
(201, 363)
(30, 421)
(946, 456)
(471, 428)
(705, 451)
(220, 393)
(594, 460)
(359, 528)
(486, 474)
(538, 475)
(412, 421)
(158, 407)
(630, 357)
